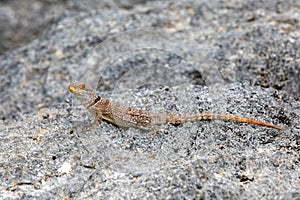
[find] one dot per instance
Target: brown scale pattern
(124, 116)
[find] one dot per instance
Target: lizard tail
(178, 119)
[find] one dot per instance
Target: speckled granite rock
(239, 58)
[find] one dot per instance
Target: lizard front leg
(97, 118)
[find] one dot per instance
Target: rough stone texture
(23, 21)
(239, 58)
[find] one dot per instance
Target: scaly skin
(124, 116)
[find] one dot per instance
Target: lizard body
(125, 116)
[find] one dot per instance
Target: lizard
(124, 116)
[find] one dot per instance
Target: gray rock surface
(233, 57)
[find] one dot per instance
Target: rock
(225, 57)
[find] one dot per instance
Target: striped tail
(182, 118)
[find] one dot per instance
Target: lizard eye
(81, 86)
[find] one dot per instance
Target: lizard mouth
(71, 88)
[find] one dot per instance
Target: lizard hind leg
(156, 130)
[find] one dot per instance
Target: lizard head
(86, 96)
(77, 88)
